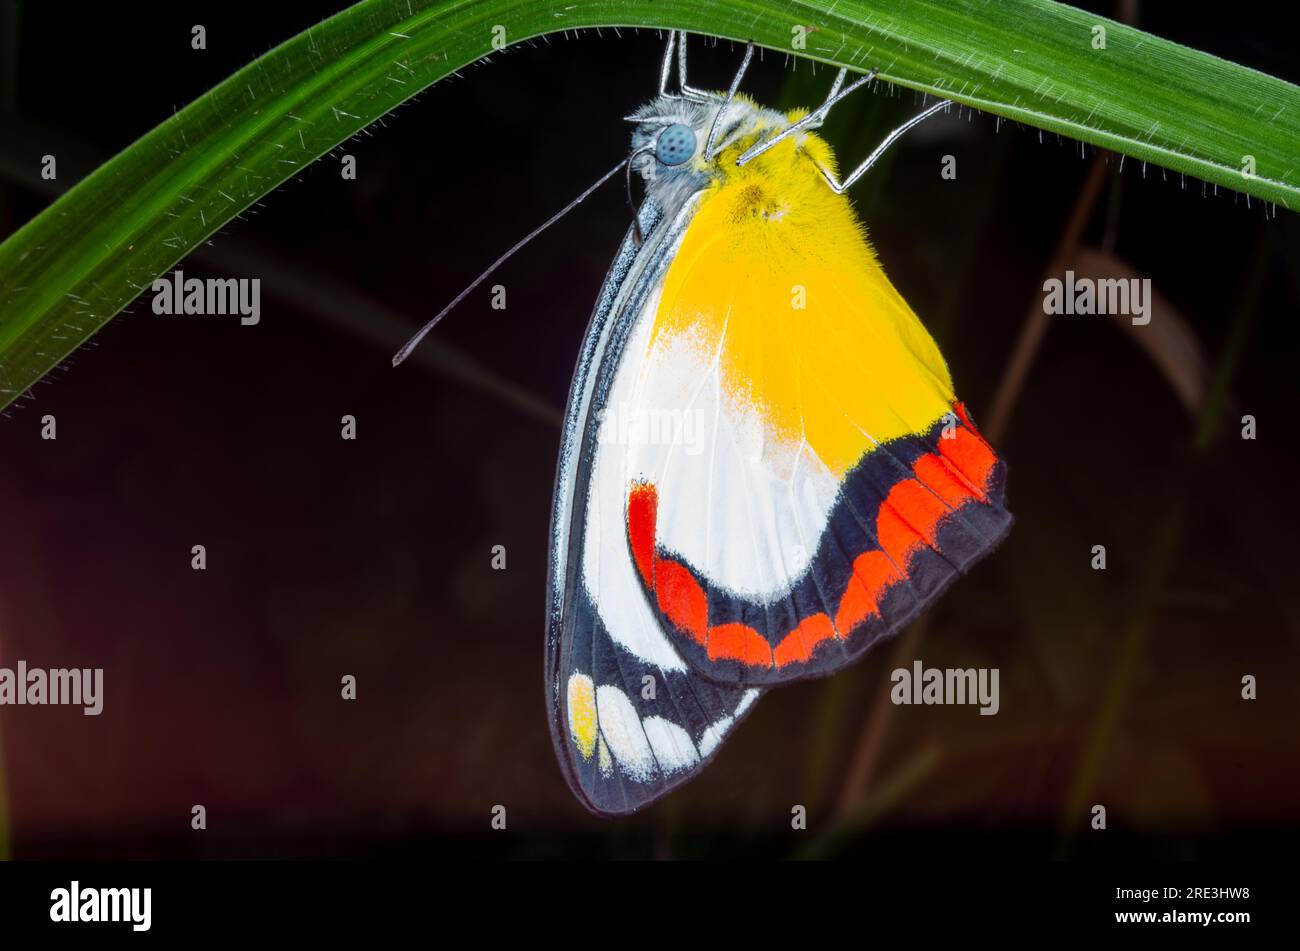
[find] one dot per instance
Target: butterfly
(764, 468)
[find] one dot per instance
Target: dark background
(372, 557)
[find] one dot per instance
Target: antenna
(423, 331)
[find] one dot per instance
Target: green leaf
(77, 264)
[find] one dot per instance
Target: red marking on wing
(682, 599)
(873, 572)
(799, 644)
(642, 506)
(968, 453)
(739, 642)
(944, 481)
(907, 522)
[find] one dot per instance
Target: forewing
(629, 718)
(823, 484)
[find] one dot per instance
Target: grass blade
(75, 266)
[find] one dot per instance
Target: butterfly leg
(710, 144)
(840, 187)
(689, 91)
(810, 121)
(819, 114)
(677, 40)
(677, 43)
(666, 67)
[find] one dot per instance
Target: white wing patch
(672, 746)
(742, 505)
(714, 735)
(718, 731)
(605, 723)
(661, 419)
(621, 727)
(607, 567)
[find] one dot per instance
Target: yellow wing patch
(775, 276)
(582, 715)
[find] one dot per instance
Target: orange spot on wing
(894, 529)
(945, 481)
(873, 572)
(970, 455)
(739, 642)
(682, 599)
(964, 416)
(799, 644)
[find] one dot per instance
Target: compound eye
(676, 144)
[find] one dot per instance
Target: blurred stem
(1034, 327)
(834, 710)
(888, 795)
(871, 744)
(1235, 347)
(1160, 562)
(954, 291)
(666, 830)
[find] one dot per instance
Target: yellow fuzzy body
(775, 276)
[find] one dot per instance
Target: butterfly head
(671, 141)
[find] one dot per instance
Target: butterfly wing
(826, 485)
(629, 718)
